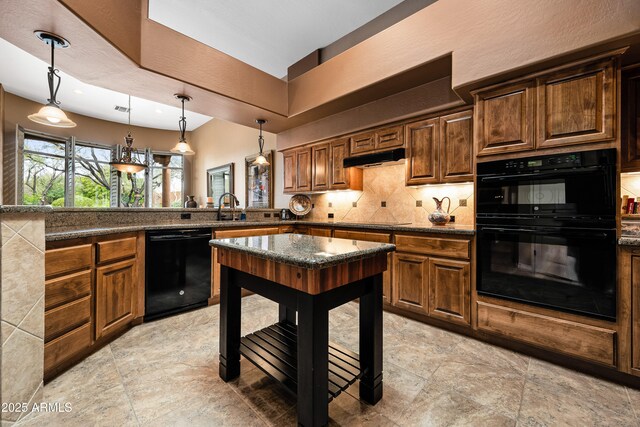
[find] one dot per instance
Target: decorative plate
(300, 204)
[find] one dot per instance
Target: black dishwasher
(178, 271)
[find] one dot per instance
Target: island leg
(371, 341)
(286, 314)
(229, 366)
(313, 361)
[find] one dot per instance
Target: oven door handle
(592, 235)
(542, 174)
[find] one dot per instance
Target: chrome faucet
(233, 207)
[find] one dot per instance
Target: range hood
(374, 158)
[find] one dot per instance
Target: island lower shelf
(274, 351)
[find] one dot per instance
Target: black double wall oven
(547, 231)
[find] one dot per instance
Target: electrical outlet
(354, 204)
(418, 203)
(330, 204)
(462, 202)
(452, 218)
(330, 216)
(383, 204)
(267, 214)
(185, 216)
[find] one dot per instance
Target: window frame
(70, 166)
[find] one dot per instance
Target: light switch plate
(462, 202)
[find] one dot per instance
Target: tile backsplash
(385, 198)
(630, 185)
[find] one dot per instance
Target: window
(91, 177)
(167, 180)
(43, 172)
(68, 172)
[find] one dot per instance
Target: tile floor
(165, 373)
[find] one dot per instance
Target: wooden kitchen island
(307, 275)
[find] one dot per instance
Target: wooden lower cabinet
(411, 282)
(450, 290)
(316, 231)
(88, 295)
(592, 343)
(635, 317)
(115, 285)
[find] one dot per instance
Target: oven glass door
(588, 191)
(570, 270)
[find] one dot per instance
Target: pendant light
(182, 147)
(127, 163)
(51, 114)
(261, 159)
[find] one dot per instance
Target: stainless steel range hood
(375, 158)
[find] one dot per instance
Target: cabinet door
(363, 143)
(389, 138)
(410, 282)
(289, 160)
(422, 152)
(505, 119)
(449, 290)
(631, 120)
(577, 105)
(339, 175)
(456, 147)
(322, 232)
(115, 285)
(320, 174)
(303, 169)
(635, 310)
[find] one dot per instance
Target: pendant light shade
(127, 162)
(182, 147)
(51, 114)
(261, 159)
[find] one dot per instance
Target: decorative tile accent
(403, 204)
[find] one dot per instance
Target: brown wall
(88, 129)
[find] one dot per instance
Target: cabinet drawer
(451, 248)
(66, 346)
(362, 235)
(363, 143)
(64, 318)
(226, 234)
(116, 249)
(67, 288)
(564, 336)
(65, 260)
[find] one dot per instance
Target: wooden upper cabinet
(422, 152)
(577, 105)
(449, 290)
(631, 120)
(389, 138)
(339, 174)
(363, 143)
(303, 169)
(320, 174)
(289, 161)
(115, 285)
(456, 147)
(505, 119)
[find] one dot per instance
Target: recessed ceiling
(270, 35)
(25, 75)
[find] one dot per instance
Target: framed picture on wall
(259, 182)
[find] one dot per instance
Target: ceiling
(269, 35)
(25, 75)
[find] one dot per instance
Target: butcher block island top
(311, 264)
(307, 276)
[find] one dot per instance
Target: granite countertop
(629, 241)
(74, 232)
(63, 233)
(394, 226)
(311, 252)
(8, 209)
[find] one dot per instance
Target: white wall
(219, 142)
